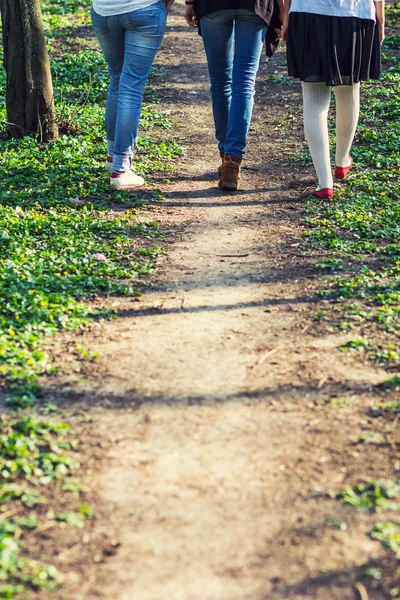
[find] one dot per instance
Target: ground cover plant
(60, 243)
(38, 461)
(359, 231)
(65, 237)
(361, 228)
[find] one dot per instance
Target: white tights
(316, 101)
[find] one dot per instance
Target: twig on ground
(44, 527)
(323, 381)
(362, 591)
(9, 513)
(266, 355)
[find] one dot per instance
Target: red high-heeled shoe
(324, 194)
(342, 172)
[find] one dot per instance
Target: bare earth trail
(209, 387)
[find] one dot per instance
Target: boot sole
(126, 186)
(228, 186)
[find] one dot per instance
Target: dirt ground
(212, 392)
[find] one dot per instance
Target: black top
(262, 8)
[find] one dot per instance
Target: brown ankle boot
(220, 166)
(230, 172)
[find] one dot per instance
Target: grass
(389, 535)
(361, 228)
(373, 496)
(65, 238)
(386, 408)
(38, 458)
(60, 242)
(359, 231)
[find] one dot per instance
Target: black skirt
(333, 50)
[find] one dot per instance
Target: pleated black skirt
(333, 50)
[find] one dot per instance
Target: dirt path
(211, 386)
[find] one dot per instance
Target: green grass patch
(362, 224)
(389, 535)
(36, 457)
(392, 13)
(65, 238)
(65, 7)
(60, 242)
(385, 408)
(35, 451)
(373, 496)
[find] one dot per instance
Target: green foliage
(11, 526)
(75, 518)
(71, 518)
(392, 13)
(64, 7)
(392, 383)
(282, 79)
(49, 251)
(333, 402)
(81, 76)
(35, 453)
(330, 264)
(72, 485)
(65, 237)
(358, 344)
(12, 492)
(364, 220)
(383, 408)
(53, 215)
(373, 496)
(30, 450)
(388, 534)
(21, 574)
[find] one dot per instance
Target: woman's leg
(144, 30)
(250, 32)
(217, 33)
(111, 37)
(316, 100)
(347, 115)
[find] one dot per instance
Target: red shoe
(342, 172)
(324, 194)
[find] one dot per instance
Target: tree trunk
(29, 95)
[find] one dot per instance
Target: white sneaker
(126, 181)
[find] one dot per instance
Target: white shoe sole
(121, 185)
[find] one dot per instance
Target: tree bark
(29, 94)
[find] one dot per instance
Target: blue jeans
(233, 41)
(129, 43)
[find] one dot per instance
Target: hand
(168, 4)
(190, 16)
(278, 32)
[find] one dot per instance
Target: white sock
(316, 100)
(347, 114)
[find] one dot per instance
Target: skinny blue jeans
(129, 42)
(233, 41)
